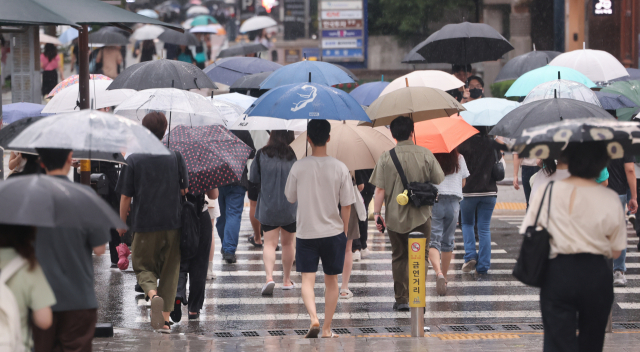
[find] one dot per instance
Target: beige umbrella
(49, 39)
(420, 103)
(359, 147)
(424, 78)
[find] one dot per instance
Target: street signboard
(343, 30)
(343, 33)
(342, 54)
(342, 15)
(342, 24)
(341, 43)
(342, 5)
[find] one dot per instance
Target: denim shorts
(328, 249)
(444, 217)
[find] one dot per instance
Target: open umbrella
(241, 100)
(544, 112)
(18, 111)
(108, 37)
(358, 147)
(148, 13)
(230, 69)
(262, 123)
(631, 90)
(306, 71)
(11, 131)
(421, 103)
(308, 101)
(74, 80)
(242, 50)
(177, 38)
(443, 135)
(256, 23)
(209, 29)
(487, 111)
(202, 21)
(634, 74)
(90, 131)
(214, 156)
(425, 78)
(368, 92)
(49, 39)
(27, 12)
(523, 85)
(250, 81)
(347, 71)
(550, 140)
(562, 88)
(162, 74)
(597, 65)
(197, 10)
(68, 36)
(522, 64)
(67, 100)
(147, 32)
(614, 101)
(45, 201)
(412, 57)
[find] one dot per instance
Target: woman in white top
(444, 214)
(587, 226)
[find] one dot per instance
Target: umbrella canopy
(241, 100)
(147, 32)
(550, 140)
(49, 39)
(108, 37)
(522, 64)
(562, 88)
(421, 103)
(168, 7)
(358, 147)
(256, 23)
(347, 71)
(413, 57)
(425, 78)
(544, 112)
(90, 131)
(443, 135)
(242, 50)
(308, 101)
(68, 36)
(613, 101)
(262, 123)
(634, 74)
(18, 111)
(464, 43)
(631, 90)
(45, 201)
(210, 29)
(148, 13)
(214, 156)
(67, 100)
(487, 111)
(74, 80)
(230, 69)
(197, 10)
(162, 74)
(250, 81)
(597, 65)
(177, 38)
(523, 85)
(28, 12)
(306, 71)
(186, 108)
(368, 92)
(202, 21)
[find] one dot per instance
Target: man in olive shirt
(419, 165)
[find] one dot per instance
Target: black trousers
(196, 268)
(577, 294)
(113, 244)
(361, 243)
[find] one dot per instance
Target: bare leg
(348, 265)
(309, 297)
(434, 258)
(288, 253)
(213, 240)
(330, 302)
(446, 260)
(255, 224)
(269, 252)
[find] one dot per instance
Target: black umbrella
(107, 37)
(614, 101)
(464, 43)
(27, 12)
(162, 74)
(47, 201)
(522, 64)
(242, 50)
(174, 37)
(413, 57)
(544, 112)
(231, 69)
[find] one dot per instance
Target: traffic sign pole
(417, 277)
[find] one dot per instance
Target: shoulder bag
(497, 172)
(532, 262)
(420, 194)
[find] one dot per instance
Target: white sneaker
(356, 256)
(619, 280)
(210, 274)
(365, 253)
(469, 266)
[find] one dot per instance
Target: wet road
(233, 302)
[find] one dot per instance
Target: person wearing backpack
(23, 288)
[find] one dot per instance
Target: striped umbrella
(74, 80)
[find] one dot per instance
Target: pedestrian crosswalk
(233, 300)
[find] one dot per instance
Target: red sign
(415, 246)
(330, 24)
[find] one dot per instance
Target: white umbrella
(262, 123)
(148, 13)
(49, 39)
(210, 29)
(597, 65)
(241, 100)
(183, 107)
(256, 23)
(425, 78)
(230, 112)
(147, 32)
(561, 88)
(197, 10)
(67, 100)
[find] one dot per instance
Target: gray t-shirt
(273, 208)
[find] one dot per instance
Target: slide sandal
(267, 289)
(313, 333)
(332, 336)
(157, 319)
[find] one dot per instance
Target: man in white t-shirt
(319, 183)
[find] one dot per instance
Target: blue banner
(345, 33)
(342, 53)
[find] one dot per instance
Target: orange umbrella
(443, 135)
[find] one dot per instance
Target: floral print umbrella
(74, 80)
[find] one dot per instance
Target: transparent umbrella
(90, 134)
(562, 88)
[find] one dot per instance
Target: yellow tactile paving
(510, 206)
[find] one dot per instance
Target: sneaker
(356, 256)
(619, 280)
(176, 314)
(469, 266)
(365, 253)
(230, 258)
(401, 307)
(210, 274)
(113, 266)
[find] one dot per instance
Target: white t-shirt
(541, 179)
(452, 184)
(319, 184)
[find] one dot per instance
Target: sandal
(441, 285)
(332, 336)
(164, 330)
(290, 287)
(253, 242)
(157, 319)
(313, 332)
(348, 292)
(267, 289)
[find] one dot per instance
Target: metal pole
(417, 276)
(307, 18)
(83, 84)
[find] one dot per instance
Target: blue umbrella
(487, 111)
(523, 85)
(308, 101)
(18, 111)
(230, 69)
(613, 101)
(68, 36)
(634, 74)
(306, 71)
(368, 92)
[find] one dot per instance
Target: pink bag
(123, 255)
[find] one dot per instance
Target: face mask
(475, 93)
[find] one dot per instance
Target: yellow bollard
(85, 172)
(417, 277)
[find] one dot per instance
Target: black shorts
(328, 249)
(253, 191)
(291, 228)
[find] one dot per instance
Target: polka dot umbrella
(214, 156)
(74, 80)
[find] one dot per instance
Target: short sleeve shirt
(419, 165)
(452, 184)
(617, 175)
